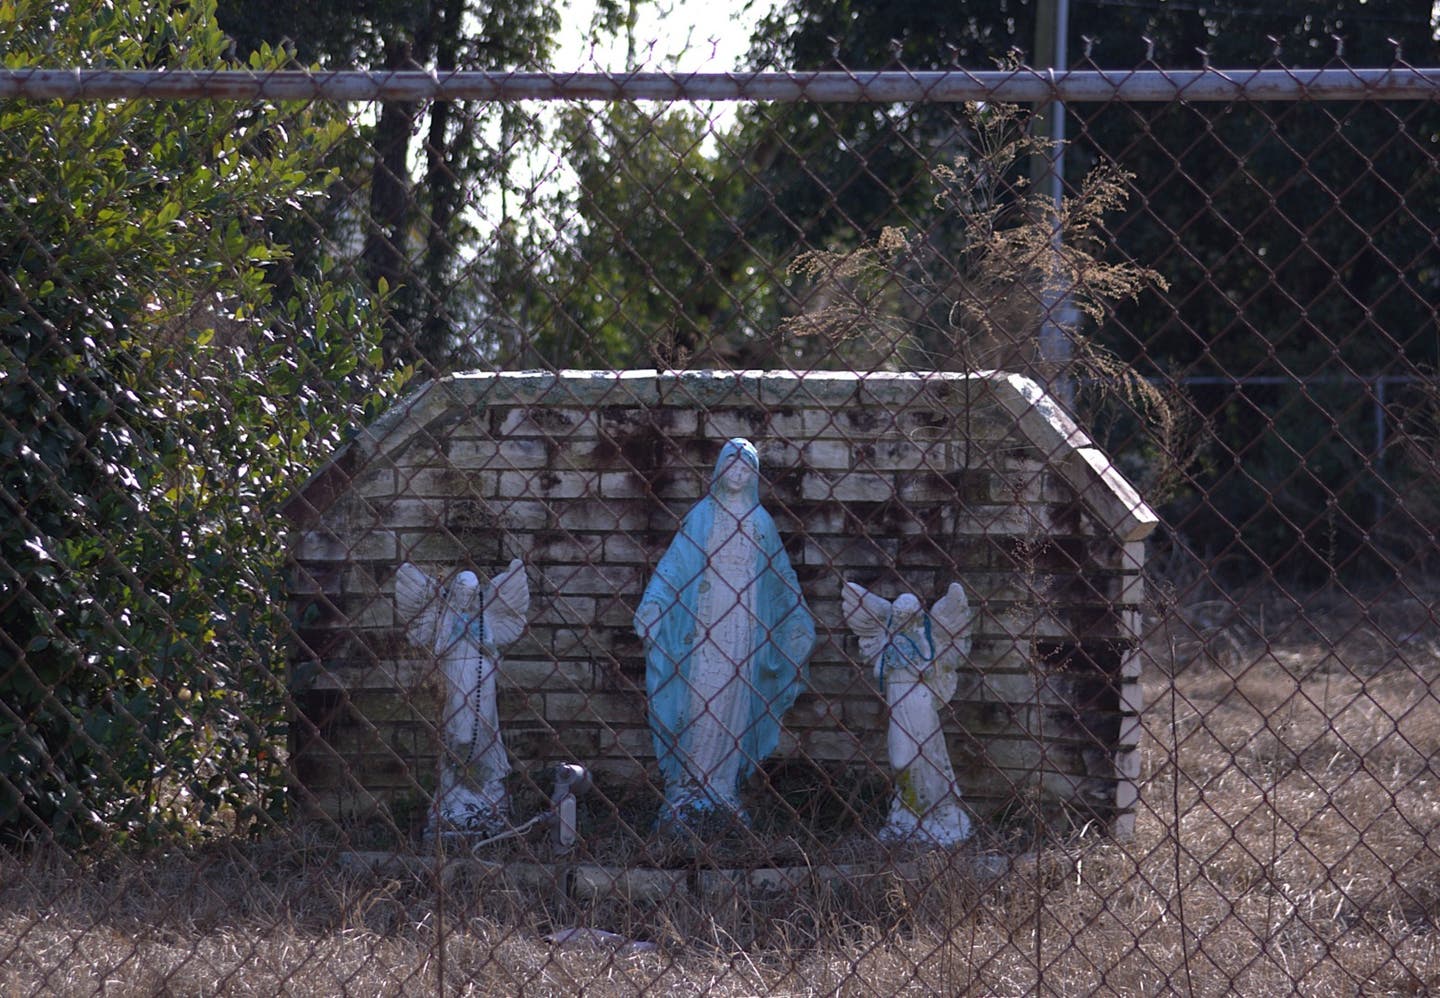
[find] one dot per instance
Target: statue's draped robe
(917, 686)
(729, 644)
(464, 626)
(473, 762)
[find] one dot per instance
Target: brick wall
(893, 481)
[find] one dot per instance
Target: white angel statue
(916, 656)
(464, 625)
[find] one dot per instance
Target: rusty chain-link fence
(287, 354)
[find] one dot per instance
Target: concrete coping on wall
(594, 882)
(1038, 417)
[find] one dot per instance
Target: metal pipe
(570, 781)
(1058, 319)
(1027, 86)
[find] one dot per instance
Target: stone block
(561, 609)
(567, 642)
(532, 646)
(405, 513)
(557, 547)
(849, 487)
(315, 579)
(628, 515)
(623, 485)
(776, 454)
(1132, 624)
(860, 424)
(801, 518)
(617, 611)
(672, 421)
(549, 485)
(532, 742)
(751, 422)
(681, 486)
(941, 486)
(1132, 730)
(445, 547)
(1132, 555)
(1012, 761)
(826, 389)
(373, 612)
(827, 455)
(1127, 794)
(842, 553)
(1025, 485)
(318, 546)
(376, 707)
(582, 455)
(707, 389)
(830, 746)
(520, 707)
(594, 708)
(436, 483)
(375, 483)
(1008, 687)
(835, 679)
(469, 454)
(543, 421)
(480, 389)
(811, 711)
(995, 520)
(1041, 419)
(596, 883)
(824, 424)
(523, 514)
(902, 455)
(866, 714)
(1108, 497)
(1131, 590)
(787, 424)
(1132, 698)
(382, 675)
(368, 545)
(1132, 664)
(633, 743)
(625, 549)
(591, 580)
(519, 454)
(1127, 765)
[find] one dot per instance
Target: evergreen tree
(442, 208)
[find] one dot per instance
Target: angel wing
(950, 620)
(418, 601)
(507, 605)
(868, 615)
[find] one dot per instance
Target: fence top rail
(1023, 85)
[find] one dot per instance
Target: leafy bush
(156, 396)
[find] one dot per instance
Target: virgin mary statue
(726, 634)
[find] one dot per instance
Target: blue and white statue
(916, 656)
(464, 626)
(727, 635)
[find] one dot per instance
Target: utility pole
(1047, 174)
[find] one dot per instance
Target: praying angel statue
(727, 635)
(916, 656)
(464, 625)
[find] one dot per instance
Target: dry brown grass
(1286, 841)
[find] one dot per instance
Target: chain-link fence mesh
(788, 533)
